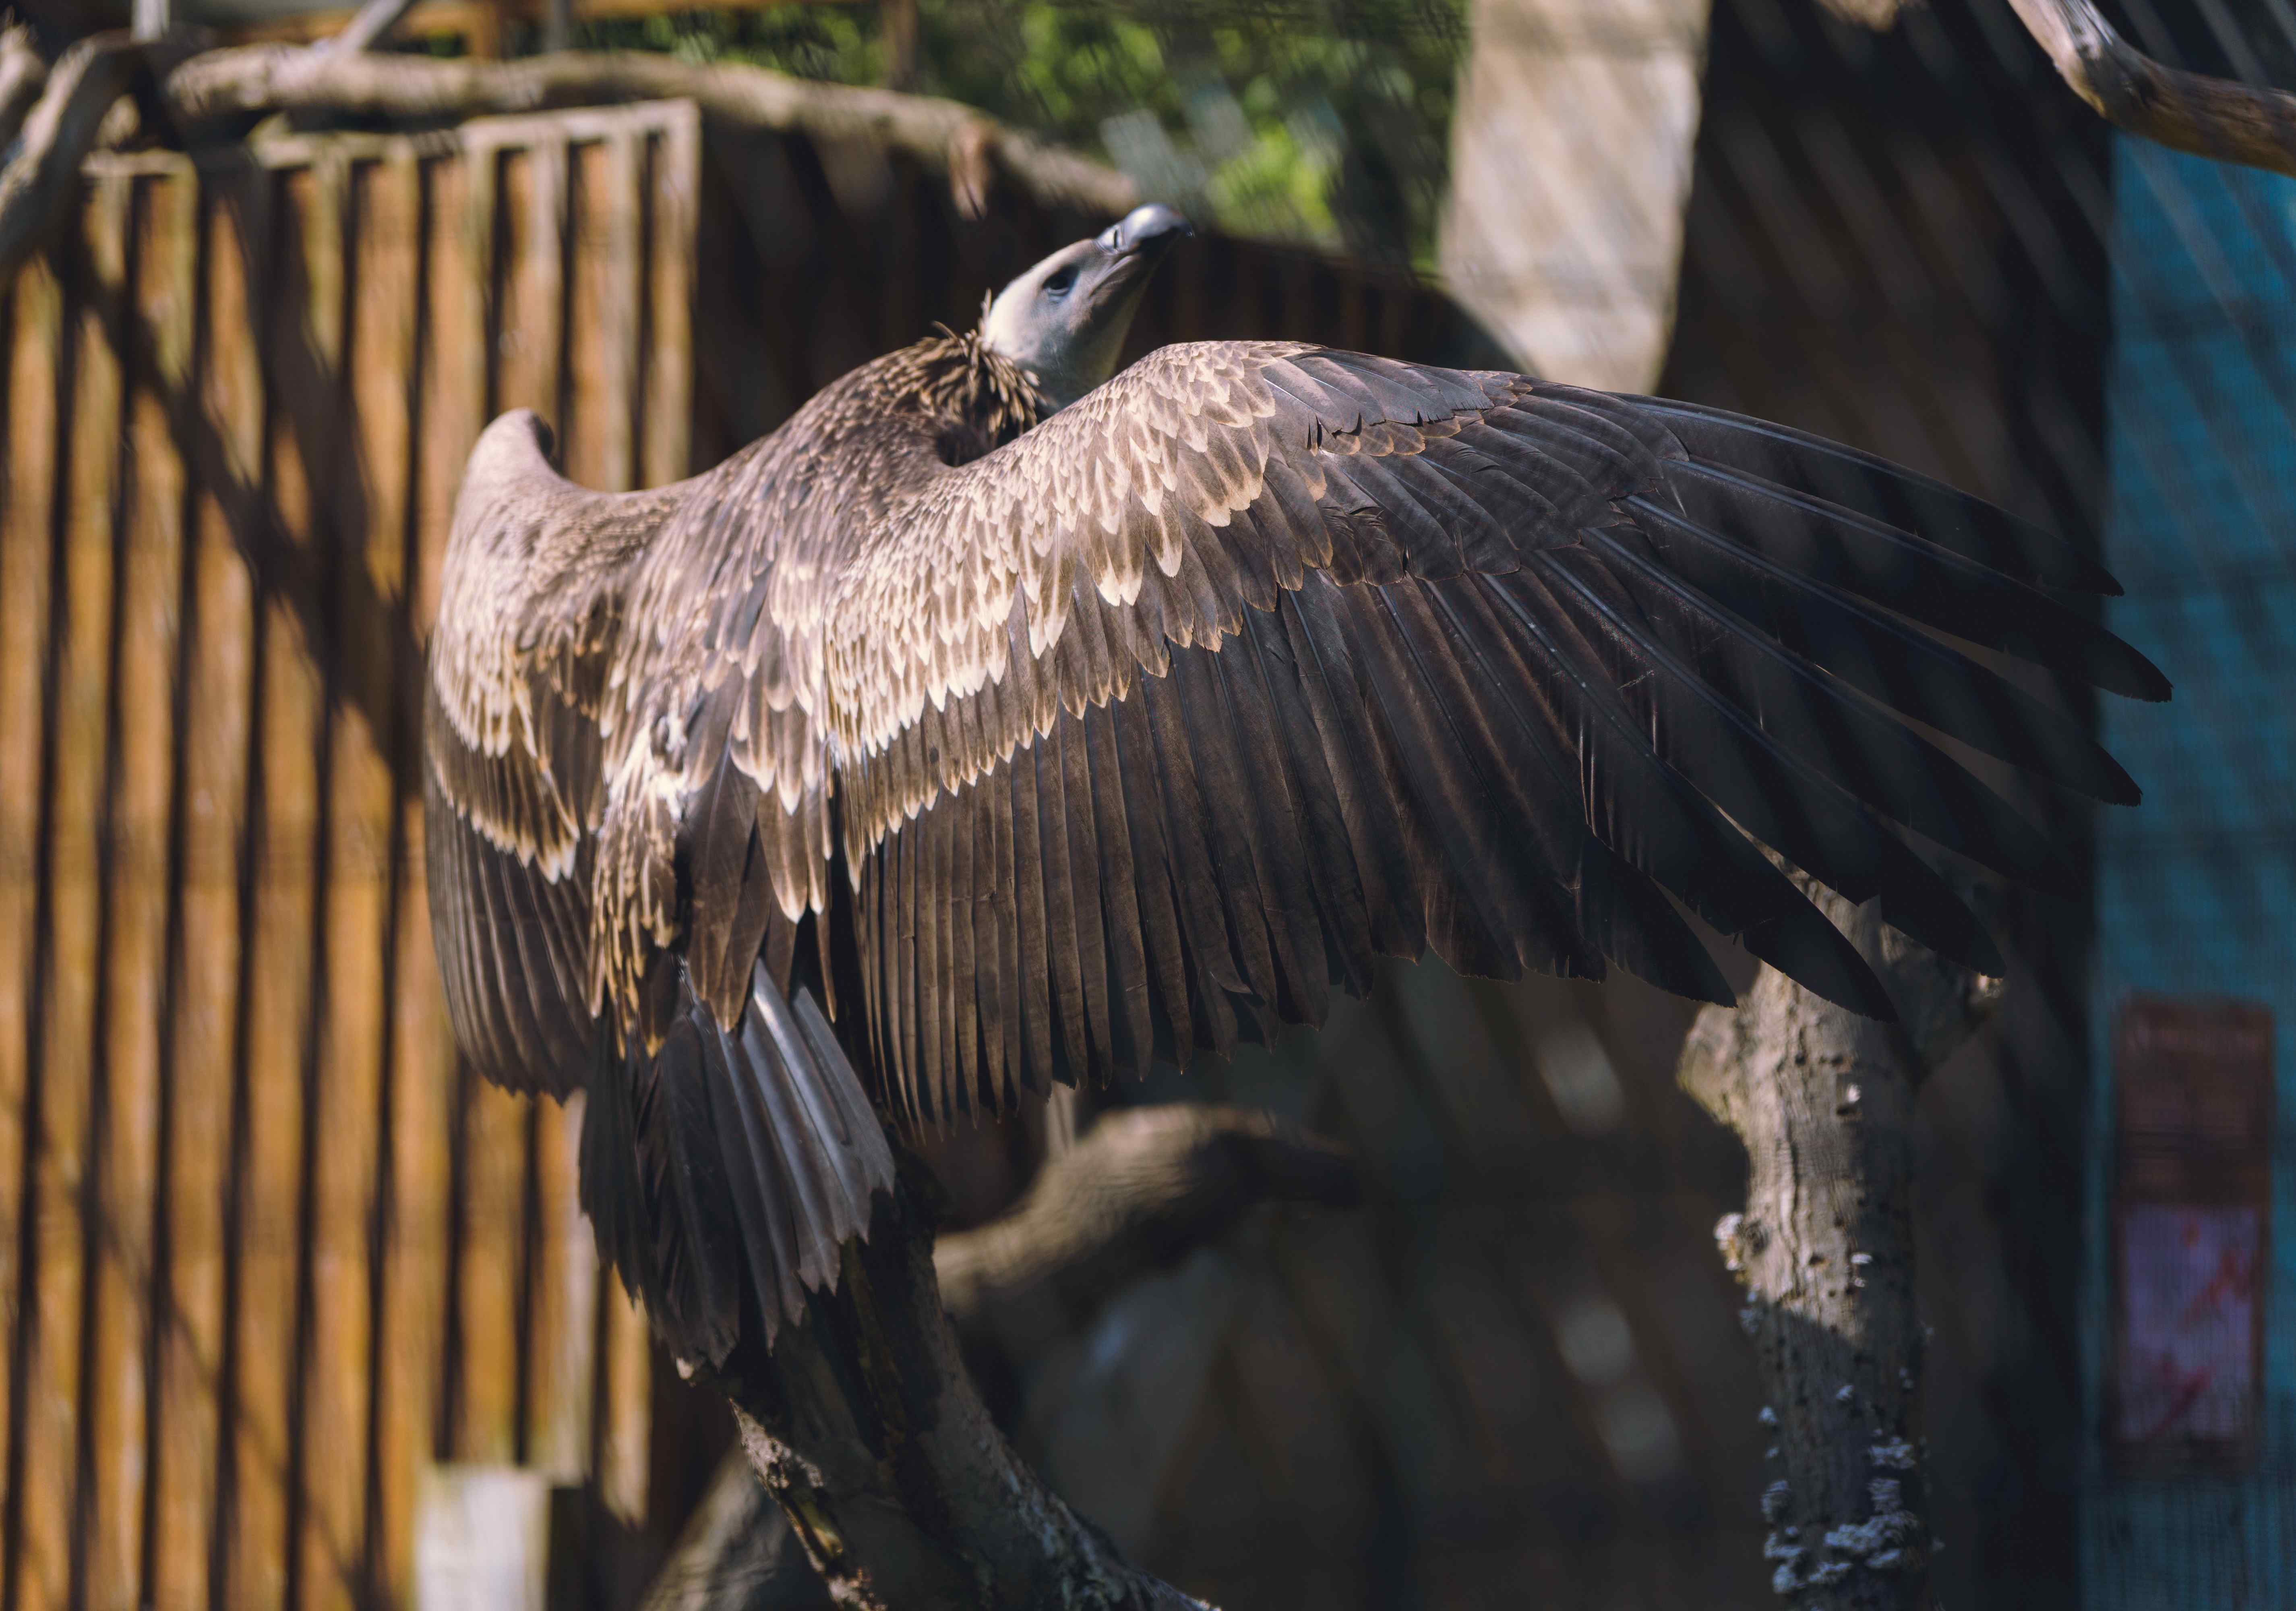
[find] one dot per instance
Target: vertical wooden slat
(150, 586)
(595, 1319)
(667, 412)
(215, 404)
(617, 170)
(531, 334)
(27, 512)
(452, 359)
(669, 177)
(602, 326)
(600, 321)
(362, 235)
(383, 370)
(290, 707)
(555, 1330)
(564, 1328)
(69, 960)
(490, 1257)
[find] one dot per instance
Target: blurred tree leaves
(1322, 121)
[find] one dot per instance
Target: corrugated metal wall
(264, 1252)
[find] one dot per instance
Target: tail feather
(725, 1172)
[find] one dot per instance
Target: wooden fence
(270, 1252)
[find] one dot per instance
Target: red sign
(2192, 1218)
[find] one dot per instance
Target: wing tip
(1807, 949)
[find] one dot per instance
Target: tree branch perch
(972, 147)
(23, 75)
(2215, 118)
(1143, 1189)
(42, 178)
(1824, 1101)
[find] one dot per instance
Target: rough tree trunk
(1143, 1189)
(1824, 1101)
(869, 1433)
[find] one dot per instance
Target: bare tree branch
(2184, 111)
(23, 75)
(1823, 1100)
(870, 1434)
(38, 185)
(367, 28)
(738, 1553)
(1145, 1188)
(972, 147)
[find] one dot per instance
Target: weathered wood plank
(553, 1343)
(359, 243)
(67, 1056)
(531, 331)
(290, 721)
(157, 336)
(564, 1333)
(363, 1033)
(26, 553)
(423, 1080)
(668, 179)
(625, 1454)
(673, 177)
(492, 1235)
(217, 406)
(599, 318)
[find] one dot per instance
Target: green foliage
(1325, 121)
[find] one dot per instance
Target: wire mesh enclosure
(267, 1254)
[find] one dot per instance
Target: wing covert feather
(528, 615)
(1276, 657)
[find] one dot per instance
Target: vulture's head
(1064, 321)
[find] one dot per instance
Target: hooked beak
(1130, 250)
(1153, 228)
(1065, 320)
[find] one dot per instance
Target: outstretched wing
(1264, 659)
(727, 1155)
(529, 606)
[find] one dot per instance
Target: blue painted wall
(2197, 890)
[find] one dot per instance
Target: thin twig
(2209, 117)
(22, 76)
(365, 30)
(39, 182)
(1144, 1187)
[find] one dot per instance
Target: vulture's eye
(1057, 282)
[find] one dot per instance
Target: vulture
(1002, 719)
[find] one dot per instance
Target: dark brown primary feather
(1415, 658)
(1134, 731)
